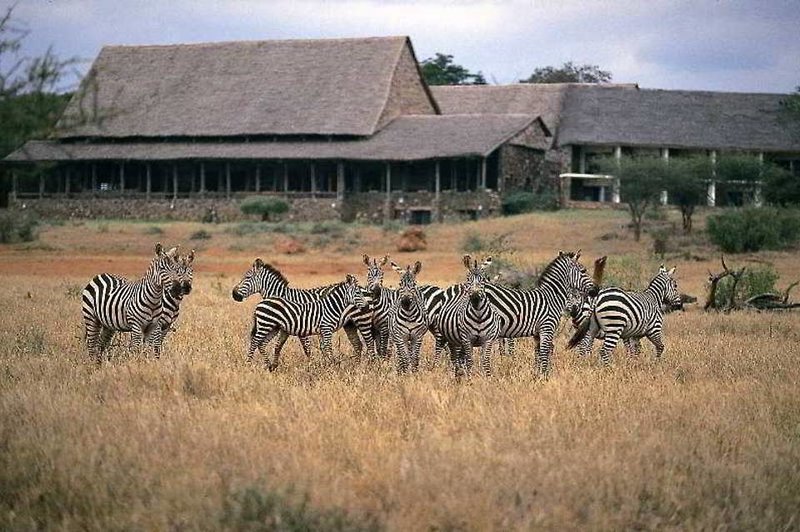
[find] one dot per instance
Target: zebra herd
(473, 313)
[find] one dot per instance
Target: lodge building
(348, 129)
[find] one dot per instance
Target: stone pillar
(14, 185)
(202, 178)
(286, 177)
(483, 174)
(711, 193)
(227, 180)
(174, 181)
(339, 182)
(148, 180)
(258, 178)
(312, 170)
(94, 177)
(41, 185)
(581, 159)
(122, 178)
(664, 196)
(387, 205)
(437, 207)
(67, 178)
(615, 190)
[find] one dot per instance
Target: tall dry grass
(708, 437)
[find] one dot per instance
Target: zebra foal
(468, 319)
(110, 304)
(407, 318)
(620, 314)
(276, 316)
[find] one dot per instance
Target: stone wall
(371, 206)
(524, 169)
(190, 209)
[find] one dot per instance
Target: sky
(740, 46)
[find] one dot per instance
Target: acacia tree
(569, 72)
(686, 183)
(440, 70)
(641, 181)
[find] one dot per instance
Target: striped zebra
(267, 280)
(619, 314)
(278, 316)
(408, 321)
(114, 304)
(537, 312)
(469, 319)
(171, 302)
(375, 317)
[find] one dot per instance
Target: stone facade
(522, 168)
(407, 96)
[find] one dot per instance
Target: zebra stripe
(469, 319)
(407, 318)
(619, 314)
(537, 312)
(321, 317)
(114, 304)
(267, 280)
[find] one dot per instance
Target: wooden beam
(67, 176)
(387, 206)
(483, 173)
(228, 179)
(340, 181)
(312, 170)
(94, 177)
(258, 177)
(41, 184)
(122, 178)
(174, 181)
(437, 192)
(202, 178)
(148, 180)
(14, 184)
(286, 177)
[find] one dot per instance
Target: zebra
(619, 314)
(114, 304)
(170, 304)
(323, 317)
(408, 321)
(537, 312)
(267, 280)
(469, 319)
(373, 320)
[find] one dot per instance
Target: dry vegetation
(707, 438)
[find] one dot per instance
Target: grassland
(707, 438)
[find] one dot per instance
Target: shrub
(18, 227)
(754, 281)
(333, 228)
(472, 243)
(519, 202)
(153, 230)
(754, 229)
(200, 235)
(265, 206)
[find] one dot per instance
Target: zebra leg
(155, 337)
(259, 337)
(369, 340)
(402, 355)
(326, 343)
(106, 335)
(486, 363)
(658, 342)
(585, 345)
(545, 350)
(384, 341)
(282, 337)
(439, 346)
(508, 346)
(305, 343)
(137, 337)
(609, 343)
(633, 346)
(94, 331)
(351, 330)
(415, 347)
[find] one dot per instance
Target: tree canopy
(569, 72)
(440, 70)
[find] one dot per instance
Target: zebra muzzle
(236, 295)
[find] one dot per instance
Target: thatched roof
(679, 119)
(407, 138)
(287, 87)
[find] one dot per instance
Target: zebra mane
(548, 270)
(276, 272)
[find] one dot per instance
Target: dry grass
(708, 437)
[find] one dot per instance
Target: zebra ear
(397, 268)
(366, 259)
(172, 252)
(467, 260)
(258, 264)
(417, 267)
(384, 260)
(672, 271)
(486, 263)
(190, 257)
(159, 249)
(350, 279)
(577, 254)
(662, 269)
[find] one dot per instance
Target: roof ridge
(256, 42)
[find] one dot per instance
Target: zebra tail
(580, 332)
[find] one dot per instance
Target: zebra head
(185, 273)
(164, 270)
(567, 271)
(375, 272)
(408, 293)
(263, 278)
(355, 294)
(665, 284)
(474, 286)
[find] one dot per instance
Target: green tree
(440, 70)
(780, 187)
(641, 181)
(263, 206)
(687, 185)
(737, 177)
(569, 72)
(792, 102)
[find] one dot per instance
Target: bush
(153, 230)
(200, 235)
(754, 229)
(754, 281)
(472, 243)
(520, 202)
(18, 227)
(265, 206)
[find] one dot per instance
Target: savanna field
(706, 438)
